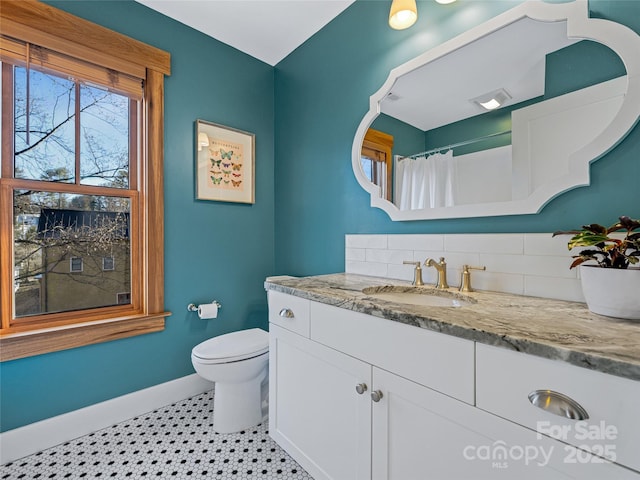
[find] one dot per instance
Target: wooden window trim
(38, 23)
(381, 142)
(26, 344)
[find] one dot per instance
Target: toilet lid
(245, 343)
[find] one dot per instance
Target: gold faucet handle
(465, 282)
(469, 267)
(417, 275)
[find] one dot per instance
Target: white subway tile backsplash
(540, 265)
(388, 256)
(366, 241)
(506, 243)
(552, 287)
(367, 268)
(401, 272)
(416, 242)
(535, 264)
(355, 254)
(498, 282)
(545, 244)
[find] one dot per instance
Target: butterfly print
(236, 184)
(237, 166)
(226, 172)
(216, 181)
(224, 154)
(215, 163)
(237, 175)
(226, 165)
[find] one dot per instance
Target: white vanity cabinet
(353, 396)
(315, 413)
(418, 433)
(611, 428)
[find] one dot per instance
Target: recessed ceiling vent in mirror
(537, 141)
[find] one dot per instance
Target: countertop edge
(589, 360)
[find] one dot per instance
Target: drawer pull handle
(376, 396)
(361, 388)
(286, 313)
(558, 404)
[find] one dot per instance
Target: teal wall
(307, 197)
(321, 98)
(213, 250)
(407, 139)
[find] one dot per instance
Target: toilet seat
(232, 347)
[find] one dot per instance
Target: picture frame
(225, 163)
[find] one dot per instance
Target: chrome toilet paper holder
(192, 307)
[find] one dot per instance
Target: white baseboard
(35, 437)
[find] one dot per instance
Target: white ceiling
(268, 30)
(512, 58)
(433, 95)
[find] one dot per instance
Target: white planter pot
(611, 291)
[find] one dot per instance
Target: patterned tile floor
(176, 441)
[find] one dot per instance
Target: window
(81, 177)
(123, 298)
(108, 264)
(75, 266)
(376, 160)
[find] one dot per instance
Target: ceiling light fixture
(492, 100)
(445, 2)
(403, 14)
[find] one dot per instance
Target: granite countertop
(553, 329)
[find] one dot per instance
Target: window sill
(46, 340)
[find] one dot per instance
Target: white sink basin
(419, 296)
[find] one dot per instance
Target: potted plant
(611, 286)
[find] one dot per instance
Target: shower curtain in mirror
(426, 182)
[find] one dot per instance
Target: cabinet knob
(361, 388)
(558, 404)
(286, 313)
(376, 396)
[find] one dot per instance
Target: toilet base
(238, 406)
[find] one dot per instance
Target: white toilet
(238, 364)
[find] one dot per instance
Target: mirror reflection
(493, 122)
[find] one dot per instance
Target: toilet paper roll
(208, 310)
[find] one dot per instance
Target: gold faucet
(417, 274)
(441, 267)
(465, 282)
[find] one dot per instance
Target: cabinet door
(420, 434)
(315, 412)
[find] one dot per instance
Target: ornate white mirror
(453, 158)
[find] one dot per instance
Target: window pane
(48, 151)
(60, 242)
(104, 141)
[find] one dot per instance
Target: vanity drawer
(289, 312)
(440, 362)
(505, 379)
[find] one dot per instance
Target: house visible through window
(81, 172)
(75, 142)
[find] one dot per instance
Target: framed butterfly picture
(225, 163)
